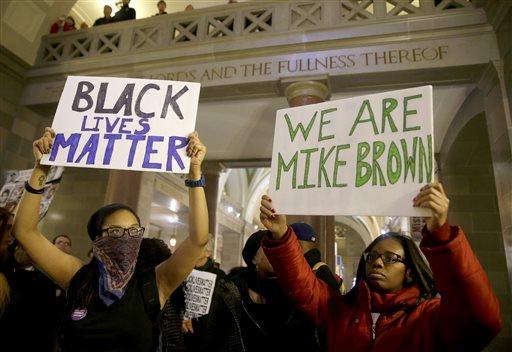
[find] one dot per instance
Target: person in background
(269, 320)
(125, 13)
(69, 24)
(189, 7)
(394, 305)
(204, 333)
(31, 320)
(161, 6)
(308, 241)
(84, 25)
(6, 219)
(62, 242)
(206, 262)
(107, 16)
(58, 26)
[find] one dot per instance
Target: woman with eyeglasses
(113, 304)
(399, 302)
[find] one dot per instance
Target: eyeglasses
(387, 257)
(117, 232)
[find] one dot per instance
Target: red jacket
(465, 318)
(55, 28)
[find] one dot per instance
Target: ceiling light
(173, 205)
(172, 241)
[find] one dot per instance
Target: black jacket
(124, 14)
(103, 20)
(313, 257)
(219, 330)
(276, 325)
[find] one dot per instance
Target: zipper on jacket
(373, 327)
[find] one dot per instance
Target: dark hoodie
(276, 325)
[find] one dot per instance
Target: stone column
(134, 189)
(301, 93)
(212, 171)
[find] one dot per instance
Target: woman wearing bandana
(113, 302)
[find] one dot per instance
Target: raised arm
(308, 293)
(468, 303)
(57, 265)
(171, 273)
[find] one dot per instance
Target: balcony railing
(242, 20)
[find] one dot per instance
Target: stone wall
(18, 125)
(468, 177)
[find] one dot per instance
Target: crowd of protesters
(130, 295)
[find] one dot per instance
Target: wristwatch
(199, 183)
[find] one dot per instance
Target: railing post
(125, 42)
(427, 6)
(379, 9)
(202, 28)
(163, 34)
(281, 20)
(332, 12)
(238, 25)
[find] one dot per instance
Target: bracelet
(199, 183)
(29, 189)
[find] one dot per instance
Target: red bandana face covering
(116, 259)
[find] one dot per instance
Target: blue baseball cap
(304, 232)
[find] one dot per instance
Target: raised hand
(43, 145)
(196, 150)
(432, 196)
(274, 222)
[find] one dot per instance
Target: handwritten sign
(367, 155)
(198, 293)
(124, 123)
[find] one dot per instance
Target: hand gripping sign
(124, 123)
(367, 155)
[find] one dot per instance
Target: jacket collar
(407, 297)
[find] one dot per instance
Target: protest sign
(367, 155)
(416, 224)
(124, 123)
(198, 293)
(14, 186)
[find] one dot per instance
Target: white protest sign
(198, 293)
(367, 155)
(124, 123)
